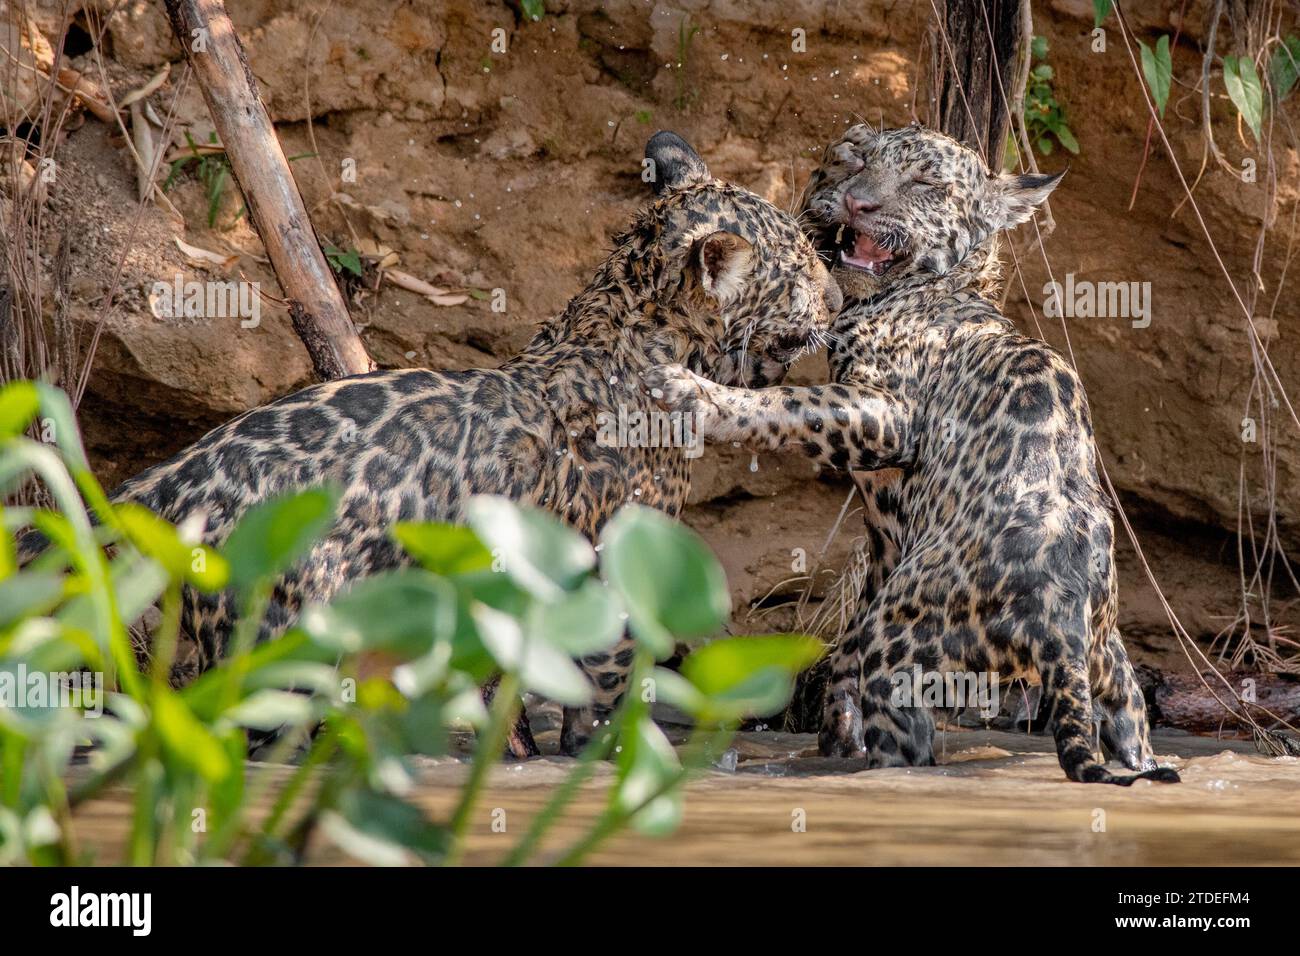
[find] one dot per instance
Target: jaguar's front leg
(840, 425)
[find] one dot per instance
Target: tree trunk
(975, 72)
(319, 314)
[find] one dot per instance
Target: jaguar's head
(746, 263)
(889, 205)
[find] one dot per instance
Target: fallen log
(319, 314)
(1182, 700)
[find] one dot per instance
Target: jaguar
(990, 535)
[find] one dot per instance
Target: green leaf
(403, 612)
(271, 709)
(1043, 71)
(533, 9)
(56, 406)
(541, 667)
(19, 403)
(672, 585)
(1045, 146)
(29, 594)
(186, 740)
(1242, 81)
(1101, 10)
(646, 764)
(1158, 70)
(1067, 138)
(1038, 47)
(1284, 67)
(275, 533)
(444, 549)
(383, 830)
(750, 676)
(194, 563)
(589, 619)
(542, 555)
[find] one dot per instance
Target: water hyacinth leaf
(445, 549)
(1244, 90)
(750, 676)
(542, 555)
(19, 402)
(271, 536)
(587, 620)
(403, 612)
(541, 667)
(61, 426)
(671, 584)
(270, 710)
(29, 594)
(291, 662)
(384, 830)
(195, 564)
(186, 740)
(1157, 67)
(675, 690)
(648, 764)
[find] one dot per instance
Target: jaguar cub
(993, 546)
(709, 275)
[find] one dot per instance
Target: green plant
(212, 169)
(344, 260)
(1044, 116)
(1157, 68)
(514, 593)
(685, 35)
(1245, 91)
(533, 9)
(1284, 67)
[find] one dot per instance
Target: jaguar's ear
(672, 163)
(1013, 198)
(722, 261)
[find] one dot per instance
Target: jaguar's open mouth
(858, 250)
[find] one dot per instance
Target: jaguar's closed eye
(928, 183)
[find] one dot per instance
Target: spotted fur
(709, 276)
(990, 535)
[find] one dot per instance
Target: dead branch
(275, 206)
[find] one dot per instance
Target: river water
(998, 798)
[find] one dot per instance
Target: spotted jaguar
(989, 531)
(709, 276)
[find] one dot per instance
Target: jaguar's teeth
(839, 234)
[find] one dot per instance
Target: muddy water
(997, 798)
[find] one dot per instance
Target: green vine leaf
(1244, 90)
(1284, 67)
(1157, 67)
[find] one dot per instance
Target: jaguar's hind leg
(1120, 706)
(1067, 705)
